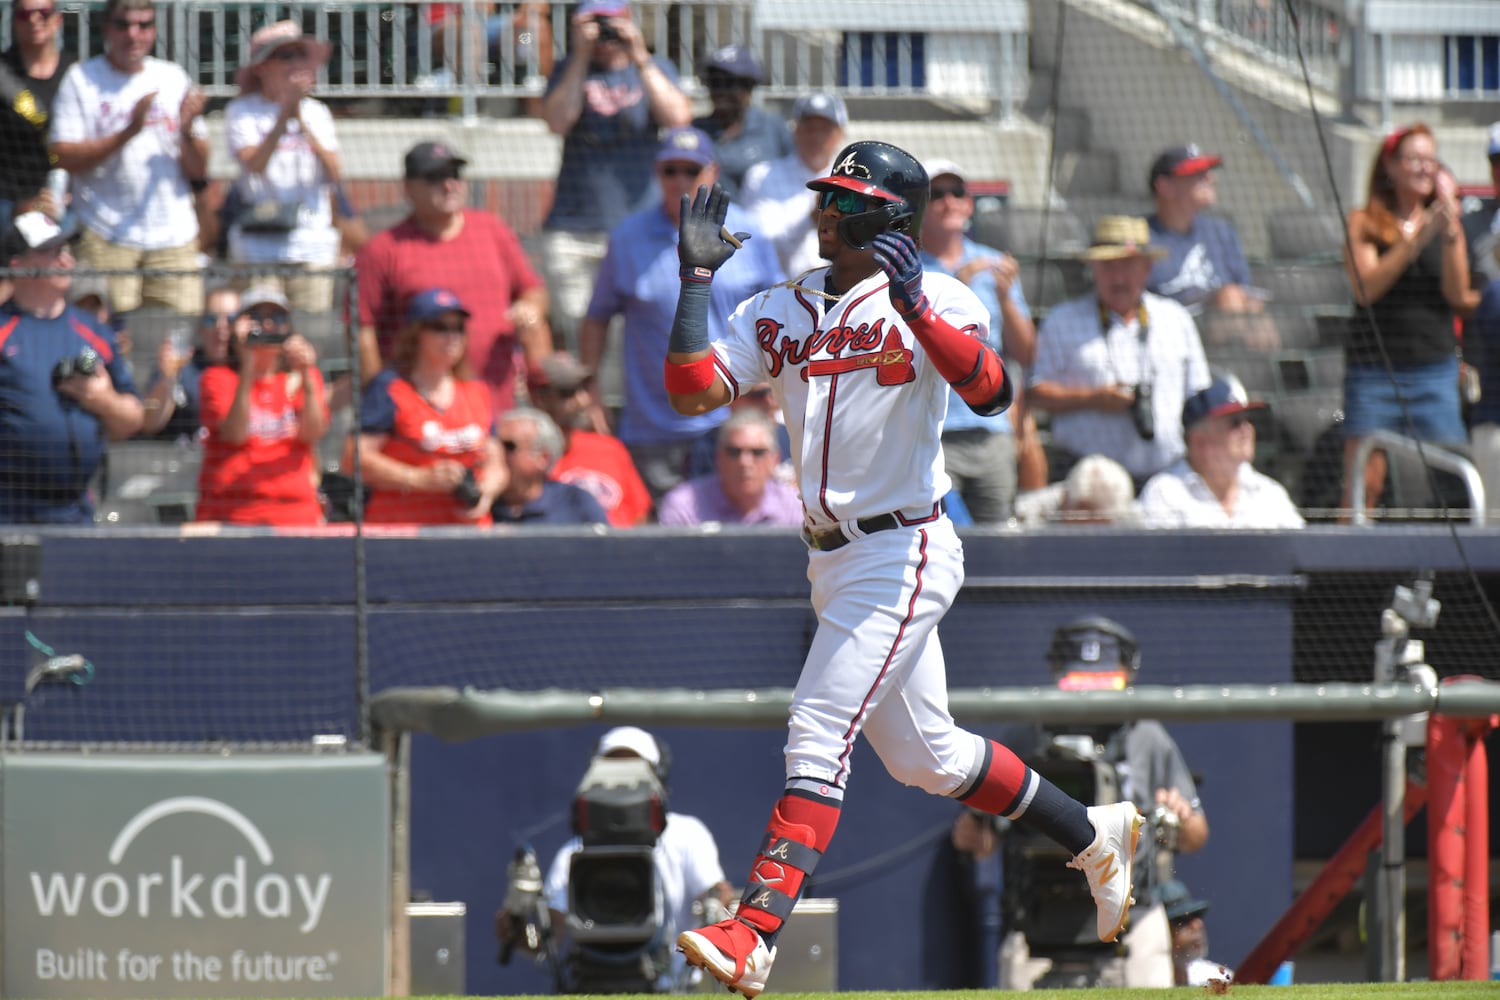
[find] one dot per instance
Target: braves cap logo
(850, 167)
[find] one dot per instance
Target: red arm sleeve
(976, 373)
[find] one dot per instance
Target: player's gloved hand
(896, 253)
(701, 246)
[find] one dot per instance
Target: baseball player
(860, 356)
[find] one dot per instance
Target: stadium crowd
(479, 394)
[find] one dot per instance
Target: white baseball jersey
(864, 406)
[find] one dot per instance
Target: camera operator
(689, 879)
(1141, 762)
(65, 390)
(1114, 366)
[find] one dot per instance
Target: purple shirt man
(743, 488)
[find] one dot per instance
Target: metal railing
(467, 50)
(1267, 31)
(1425, 452)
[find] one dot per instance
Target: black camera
(258, 335)
(85, 363)
(607, 32)
(467, 491)
(1141, 413)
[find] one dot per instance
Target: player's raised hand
(702, 246)
(896, 253)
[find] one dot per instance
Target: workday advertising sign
(177, 876)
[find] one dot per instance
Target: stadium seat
(1304, 416)
(1300, 234)
(1256, 370)
(1322, 284)
(1019, 231)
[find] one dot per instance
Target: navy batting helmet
(880, 172)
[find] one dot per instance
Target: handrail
(1428, 454)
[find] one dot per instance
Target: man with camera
(1138, 761)
(601, 935)
(65, 390)
(608, 100)
(1115, 366)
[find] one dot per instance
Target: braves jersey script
(864, 406)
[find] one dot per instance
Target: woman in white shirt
(285, 145)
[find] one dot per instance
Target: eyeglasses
(214, 319)
(681, 170)
(289, 53)
(125, 24)
(444, 327)
(733, 452)
(847, 202)
(34, 14)
(949, 191)
(441, 177)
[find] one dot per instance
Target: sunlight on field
(1310, 991)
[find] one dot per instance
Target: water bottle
(57, 186)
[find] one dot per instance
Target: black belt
(828, 539)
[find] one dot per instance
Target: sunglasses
(441, 177)
(289, 53)
(1237, 421)
(444, 327)
(719, 81)
(949, 191)
(34, 15)
(270, 317)
(847, 202)
(510, 446)
(214, 319)
(734, 452)
(681, 170)
(125, 24)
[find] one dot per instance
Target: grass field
(1310, 991)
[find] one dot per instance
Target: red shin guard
(787, 855)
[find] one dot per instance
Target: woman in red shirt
(263, 410)
(426, 443)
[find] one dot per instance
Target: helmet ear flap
(859, 230)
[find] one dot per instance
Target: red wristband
(689, 379)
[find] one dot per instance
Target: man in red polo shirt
(444, 244)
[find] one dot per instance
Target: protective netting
(1053, 115)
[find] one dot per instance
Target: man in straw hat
(1115, 366)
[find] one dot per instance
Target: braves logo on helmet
(850, 166)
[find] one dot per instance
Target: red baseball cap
(1182, 161)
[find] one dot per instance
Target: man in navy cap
(1204, 267)
(744, 133)
(1214, 485)
(638, 279)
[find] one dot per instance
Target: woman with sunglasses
(264, 410)
(284, 141)
(426, 431)
(173, 397)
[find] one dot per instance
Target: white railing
(468, 50)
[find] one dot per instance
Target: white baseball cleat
(1107, 861)
(732, 952)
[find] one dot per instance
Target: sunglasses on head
(33, 15)
(681, 170)
(847, 202)
(941, 191)
(734, 452)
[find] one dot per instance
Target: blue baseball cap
(687, 143)
(821, 105)
(1224, 395)
(602, 8)
(735, 60)
(433, 303)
